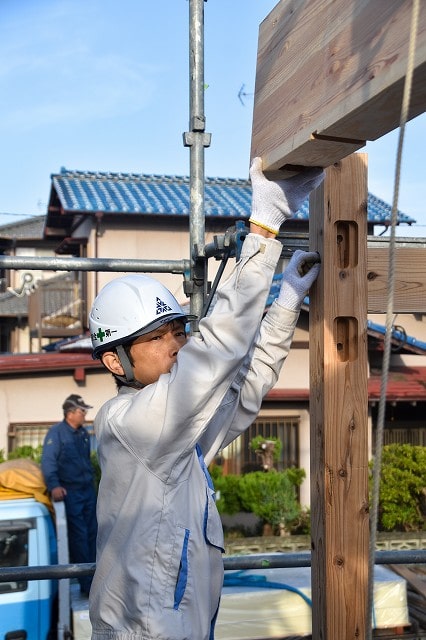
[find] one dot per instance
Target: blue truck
(38, 609)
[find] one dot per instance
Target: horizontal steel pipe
(94, 264)
(47, 572)
(255, 561)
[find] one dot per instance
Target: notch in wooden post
(347, 244)
(346, 338)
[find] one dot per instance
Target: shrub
(302, 524)
(402, 488)
(96, 468)
(26, 451)
(227, 491)
(270, 496)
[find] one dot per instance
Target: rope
(389, 317)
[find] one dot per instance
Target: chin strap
(128, 378)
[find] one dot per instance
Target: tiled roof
(29, 229)
(12, 306)
(153, 194)
(133, 193)
(44, 362)
(404, 383)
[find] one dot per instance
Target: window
(241, 459)
(27, 435)
(32, 434)
(14, 551)
(409, 435)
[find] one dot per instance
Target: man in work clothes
(159, 569)
(68, 473)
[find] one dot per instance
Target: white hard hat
(129, 307)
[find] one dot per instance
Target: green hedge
(402, 503)
(272, 496)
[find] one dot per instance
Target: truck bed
(82, 628)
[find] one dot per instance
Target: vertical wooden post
(339, 403)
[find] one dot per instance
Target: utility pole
(196, 139)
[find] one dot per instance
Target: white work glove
(275, 201)
(298, 277)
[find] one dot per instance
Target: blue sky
(101, 85)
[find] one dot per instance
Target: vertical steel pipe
(196, 139)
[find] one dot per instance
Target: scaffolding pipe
(94, 264)
(231, 563)
(196, 139)
(291, 242)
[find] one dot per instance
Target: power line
(22, 215)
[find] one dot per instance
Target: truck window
(14, 552)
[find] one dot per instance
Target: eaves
(21, 365)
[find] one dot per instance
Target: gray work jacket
(159, 566)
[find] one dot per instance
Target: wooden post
(338, 403)
(329, 76)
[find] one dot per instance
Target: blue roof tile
(91, 191)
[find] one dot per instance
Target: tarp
(22, 478)
(275, 603)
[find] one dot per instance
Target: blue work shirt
(66, 458)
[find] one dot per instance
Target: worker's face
(155, 353)
(76, 417)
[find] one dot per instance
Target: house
(46, 354)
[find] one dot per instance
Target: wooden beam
(410, 280)
(329, 76)
(338, 404)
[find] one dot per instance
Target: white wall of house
(160, 243)
(295, 372)
(38, 398)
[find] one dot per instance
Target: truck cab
(27, 538)
(33, 533)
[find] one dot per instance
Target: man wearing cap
(68, 474)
